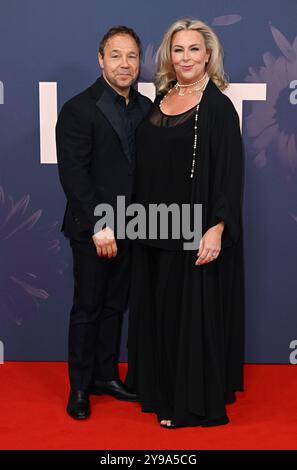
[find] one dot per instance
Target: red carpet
(33, 398)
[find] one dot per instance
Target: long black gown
(186, 322)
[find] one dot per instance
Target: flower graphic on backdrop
(272, 124)
(148, 65)
(27, 251)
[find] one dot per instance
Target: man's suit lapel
(108, 108)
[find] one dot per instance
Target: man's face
(120, 63)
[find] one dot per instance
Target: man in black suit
(96, 155)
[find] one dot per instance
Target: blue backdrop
(57, 41)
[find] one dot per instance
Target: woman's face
(188, 56)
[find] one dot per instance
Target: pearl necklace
(196, 133)
(187, 92)
(178, 86)
(191, 84)
(175, 87)
(195, 126)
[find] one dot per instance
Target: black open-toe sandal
(168, 426)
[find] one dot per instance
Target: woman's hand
(210, 244)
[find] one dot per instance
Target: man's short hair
(119, 30)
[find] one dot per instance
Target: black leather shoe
(78, 406)
(116, 388)
(216, 422)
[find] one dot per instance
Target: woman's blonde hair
(215, 69)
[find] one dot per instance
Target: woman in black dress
(186, 322)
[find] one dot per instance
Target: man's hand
(210, 244)
(105, 243)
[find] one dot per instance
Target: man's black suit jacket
(94, 161)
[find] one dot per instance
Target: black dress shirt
(130, 113)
